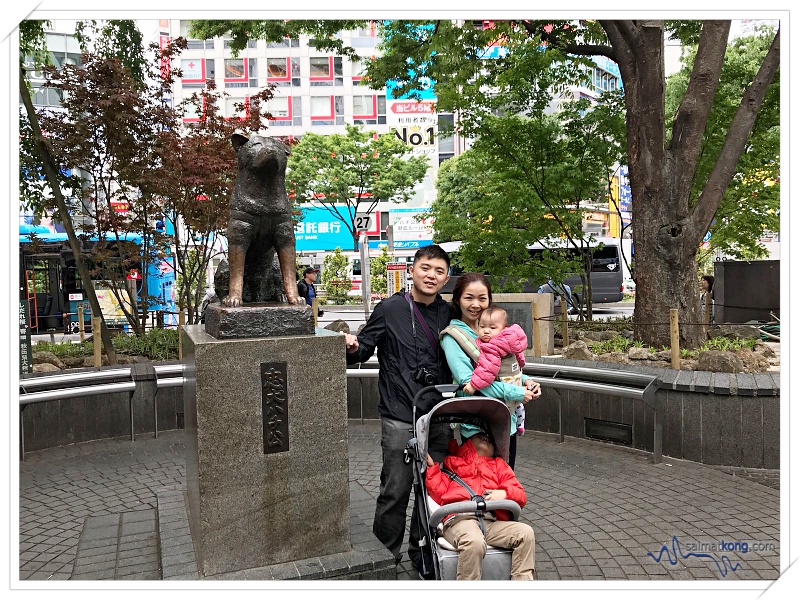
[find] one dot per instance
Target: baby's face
(482, 444)
(488, 327)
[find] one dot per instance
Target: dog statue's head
(257, 151)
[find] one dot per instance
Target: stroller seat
(496, 563)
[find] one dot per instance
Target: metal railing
(610, 382)
(96, 383)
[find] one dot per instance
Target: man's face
(429, 275)
(312, 276)
(490, 326)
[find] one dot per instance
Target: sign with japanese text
(25, 352)
(409, 232)
(395, 277)
(322, 230)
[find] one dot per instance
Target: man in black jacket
(405, 328)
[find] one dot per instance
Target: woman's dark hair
(462, 282)
(710, 280)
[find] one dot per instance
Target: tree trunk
(666, 271)
(52, 179)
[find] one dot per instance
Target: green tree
(540, 59)
(669, 223)
(198, 176)
(115, 131)
(335, 277)
(751, 204)
(377, 271)
(349, 174)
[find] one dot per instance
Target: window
(277, 69)
(240, 72)
(230, 107)
(195, 71)
(326, 70)
(446, 143)
(278, 108)
(357, 68)
(369, 110)
(297, 110)
(285, 43)
(364, 37)
(327, 110)
(250, 44)
(320, 67)
(191, 112)
(46, 96)
(194, 44)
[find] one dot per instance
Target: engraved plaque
(274, 407)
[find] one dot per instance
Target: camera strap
(421, 319)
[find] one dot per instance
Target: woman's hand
(534, 388)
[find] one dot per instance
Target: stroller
(439, 557)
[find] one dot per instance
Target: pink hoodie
(512, 340)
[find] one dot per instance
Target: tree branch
(692, 116)
(739, 131)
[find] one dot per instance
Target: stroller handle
(470, 506)
(442, 388)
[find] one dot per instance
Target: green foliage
(377, 271)
(115, 39)
(240, 31)
(616, 344)
(349, 174)
(156, 344)
(196, 283)
(751, 203)
(723, 343)
(335, 277)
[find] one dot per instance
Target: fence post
(81, 325)
(97, 341)
(181, 323)
(564, 324)
(708, 311)
(537, 337)
(315, 309)
(674, 339)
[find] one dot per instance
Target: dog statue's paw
(232, 301)
(297, 301)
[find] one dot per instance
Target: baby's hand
(495, 495)
(469, 390)
(429, 460)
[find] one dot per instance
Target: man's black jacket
(401, 353)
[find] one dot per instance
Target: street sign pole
(366, 288)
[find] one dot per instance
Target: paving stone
(587, 488)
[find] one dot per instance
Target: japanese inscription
(274, 407)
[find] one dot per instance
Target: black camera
(423, 376)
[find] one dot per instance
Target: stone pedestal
(266, 448)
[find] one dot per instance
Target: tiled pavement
(597, 509)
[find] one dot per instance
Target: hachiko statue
(260, 224)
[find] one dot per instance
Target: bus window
(606, 259)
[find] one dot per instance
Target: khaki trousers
(464, 533)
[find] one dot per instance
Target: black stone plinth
(258, 320)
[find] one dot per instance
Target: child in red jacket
(502, 356)
(475, 463)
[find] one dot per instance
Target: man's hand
(350, 342)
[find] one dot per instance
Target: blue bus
(50, 283)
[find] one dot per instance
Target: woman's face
(472, 302)
(704, 285)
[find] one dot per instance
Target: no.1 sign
(395, 278)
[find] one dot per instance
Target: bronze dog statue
(260, 223)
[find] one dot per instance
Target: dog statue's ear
(288, 151)
(238, 140)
